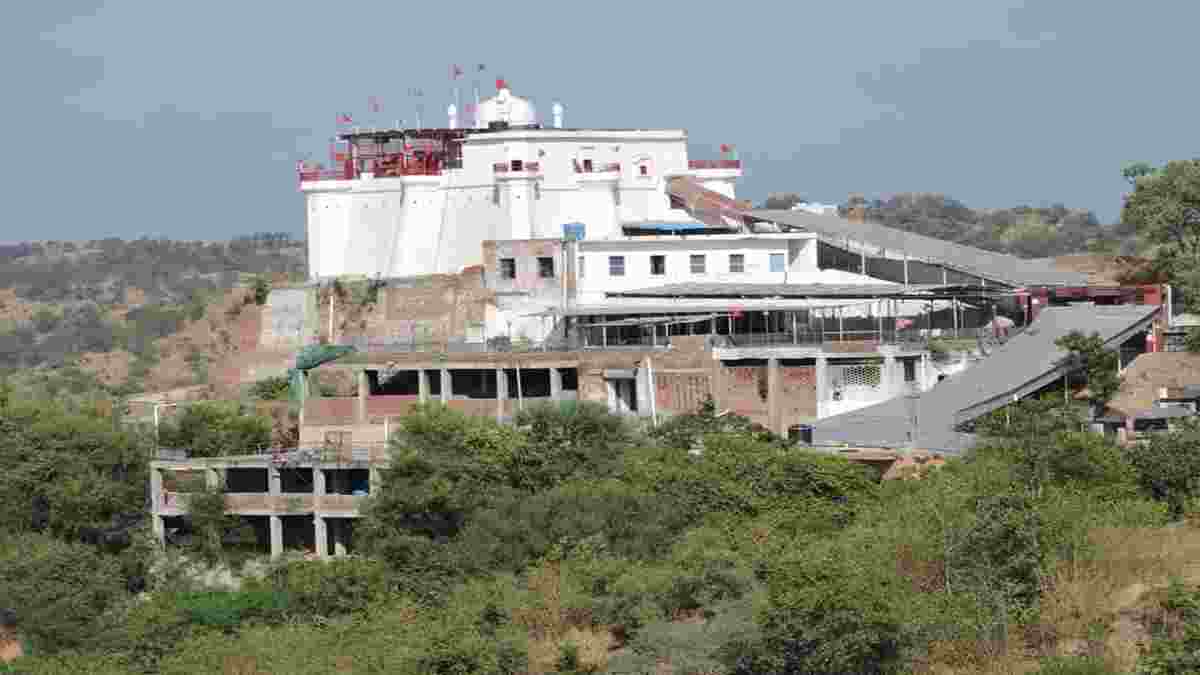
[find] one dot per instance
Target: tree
(212, 429)
(1165, 208)
(62, 588)
(1100, 363)
(262, 289)
(1168, 467)
(783, 200)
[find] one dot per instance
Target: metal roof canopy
(720, 290)
(856, 237)
(721, 305)
(655, 320)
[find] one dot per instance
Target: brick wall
(390, 406)
(681, 392)
(798, 391)
(330, 411)
(745, 390)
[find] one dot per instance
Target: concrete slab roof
(988, 265)
(723, 290)
(1026, 363)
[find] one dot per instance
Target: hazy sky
(184, 119)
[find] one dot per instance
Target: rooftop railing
(587, 167)
(714, 163)
(516, 165)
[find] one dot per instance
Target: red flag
(501, 84)
(344, 119)
(901, 324)
(455, 72)
(724, 148)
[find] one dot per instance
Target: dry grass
(1100, 606)
(552, 626)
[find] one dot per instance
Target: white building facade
(508, 179)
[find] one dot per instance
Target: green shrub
(227, 610)
(60, 590)
(318, 588)
(1076, 665)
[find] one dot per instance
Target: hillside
(1025, 231)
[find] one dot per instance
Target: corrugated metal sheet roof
(997, 267)
(723, 290)
(1024, 364)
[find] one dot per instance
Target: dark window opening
(401, 383)
(298, 533)
(587, 166)
(296, 480)
(246, 480)
(546, 268)
(910, 370)
(697, 262)
(658, 265)
(473, 383)
(737, 263)
(643, 170)
(508, 268)
(518, 165)
(347, 482)
(535, 383)
(570, 379)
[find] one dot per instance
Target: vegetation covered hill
(573, 543)
(1026, 231)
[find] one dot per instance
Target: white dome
(504, 107)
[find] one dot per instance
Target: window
(737, 263)
(508, 268)
(644, 170)
(580, 267)
(777, 262)
(616, 265)
(546, 268)
(587, 166)
(910, 370)
(697, 264)
(658, 265)
(517, 165)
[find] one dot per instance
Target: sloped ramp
(708, 206)
(1022, 366)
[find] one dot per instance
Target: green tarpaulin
(310, 357)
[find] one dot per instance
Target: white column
(212, 480)
(321, 536)
(446, 382)
(423, 385)
(276, 536)
(501, 392)
(274, 481)
(319, 489)
(555, 384)
(889, 375)
(822, 384)
(339, 537)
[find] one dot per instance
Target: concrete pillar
(645, 389)
(423, 385)
(160, 530)
(319, 489)
(375, 479)
(822, 378)
(445, 375)
(890, 385)
(501, 393)
(303, 379)
(924, 378)
(339, 536)
(321, 536)
(212, 479)
(156, 490)
(274, 481)
(718, 383)
(774, 398)
(555, 384)
(364, 390)
(276, 536)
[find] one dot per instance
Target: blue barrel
(574, 231)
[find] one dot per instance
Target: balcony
(516, 166)
(700, 164)
(587, 167)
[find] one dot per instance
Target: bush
(213, 429)
(228, 610)
(271, 389)
(328, 588)
(60, 590)
(262, 290)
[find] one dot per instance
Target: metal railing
(515, 166)
(714, 163)
(597, 168)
